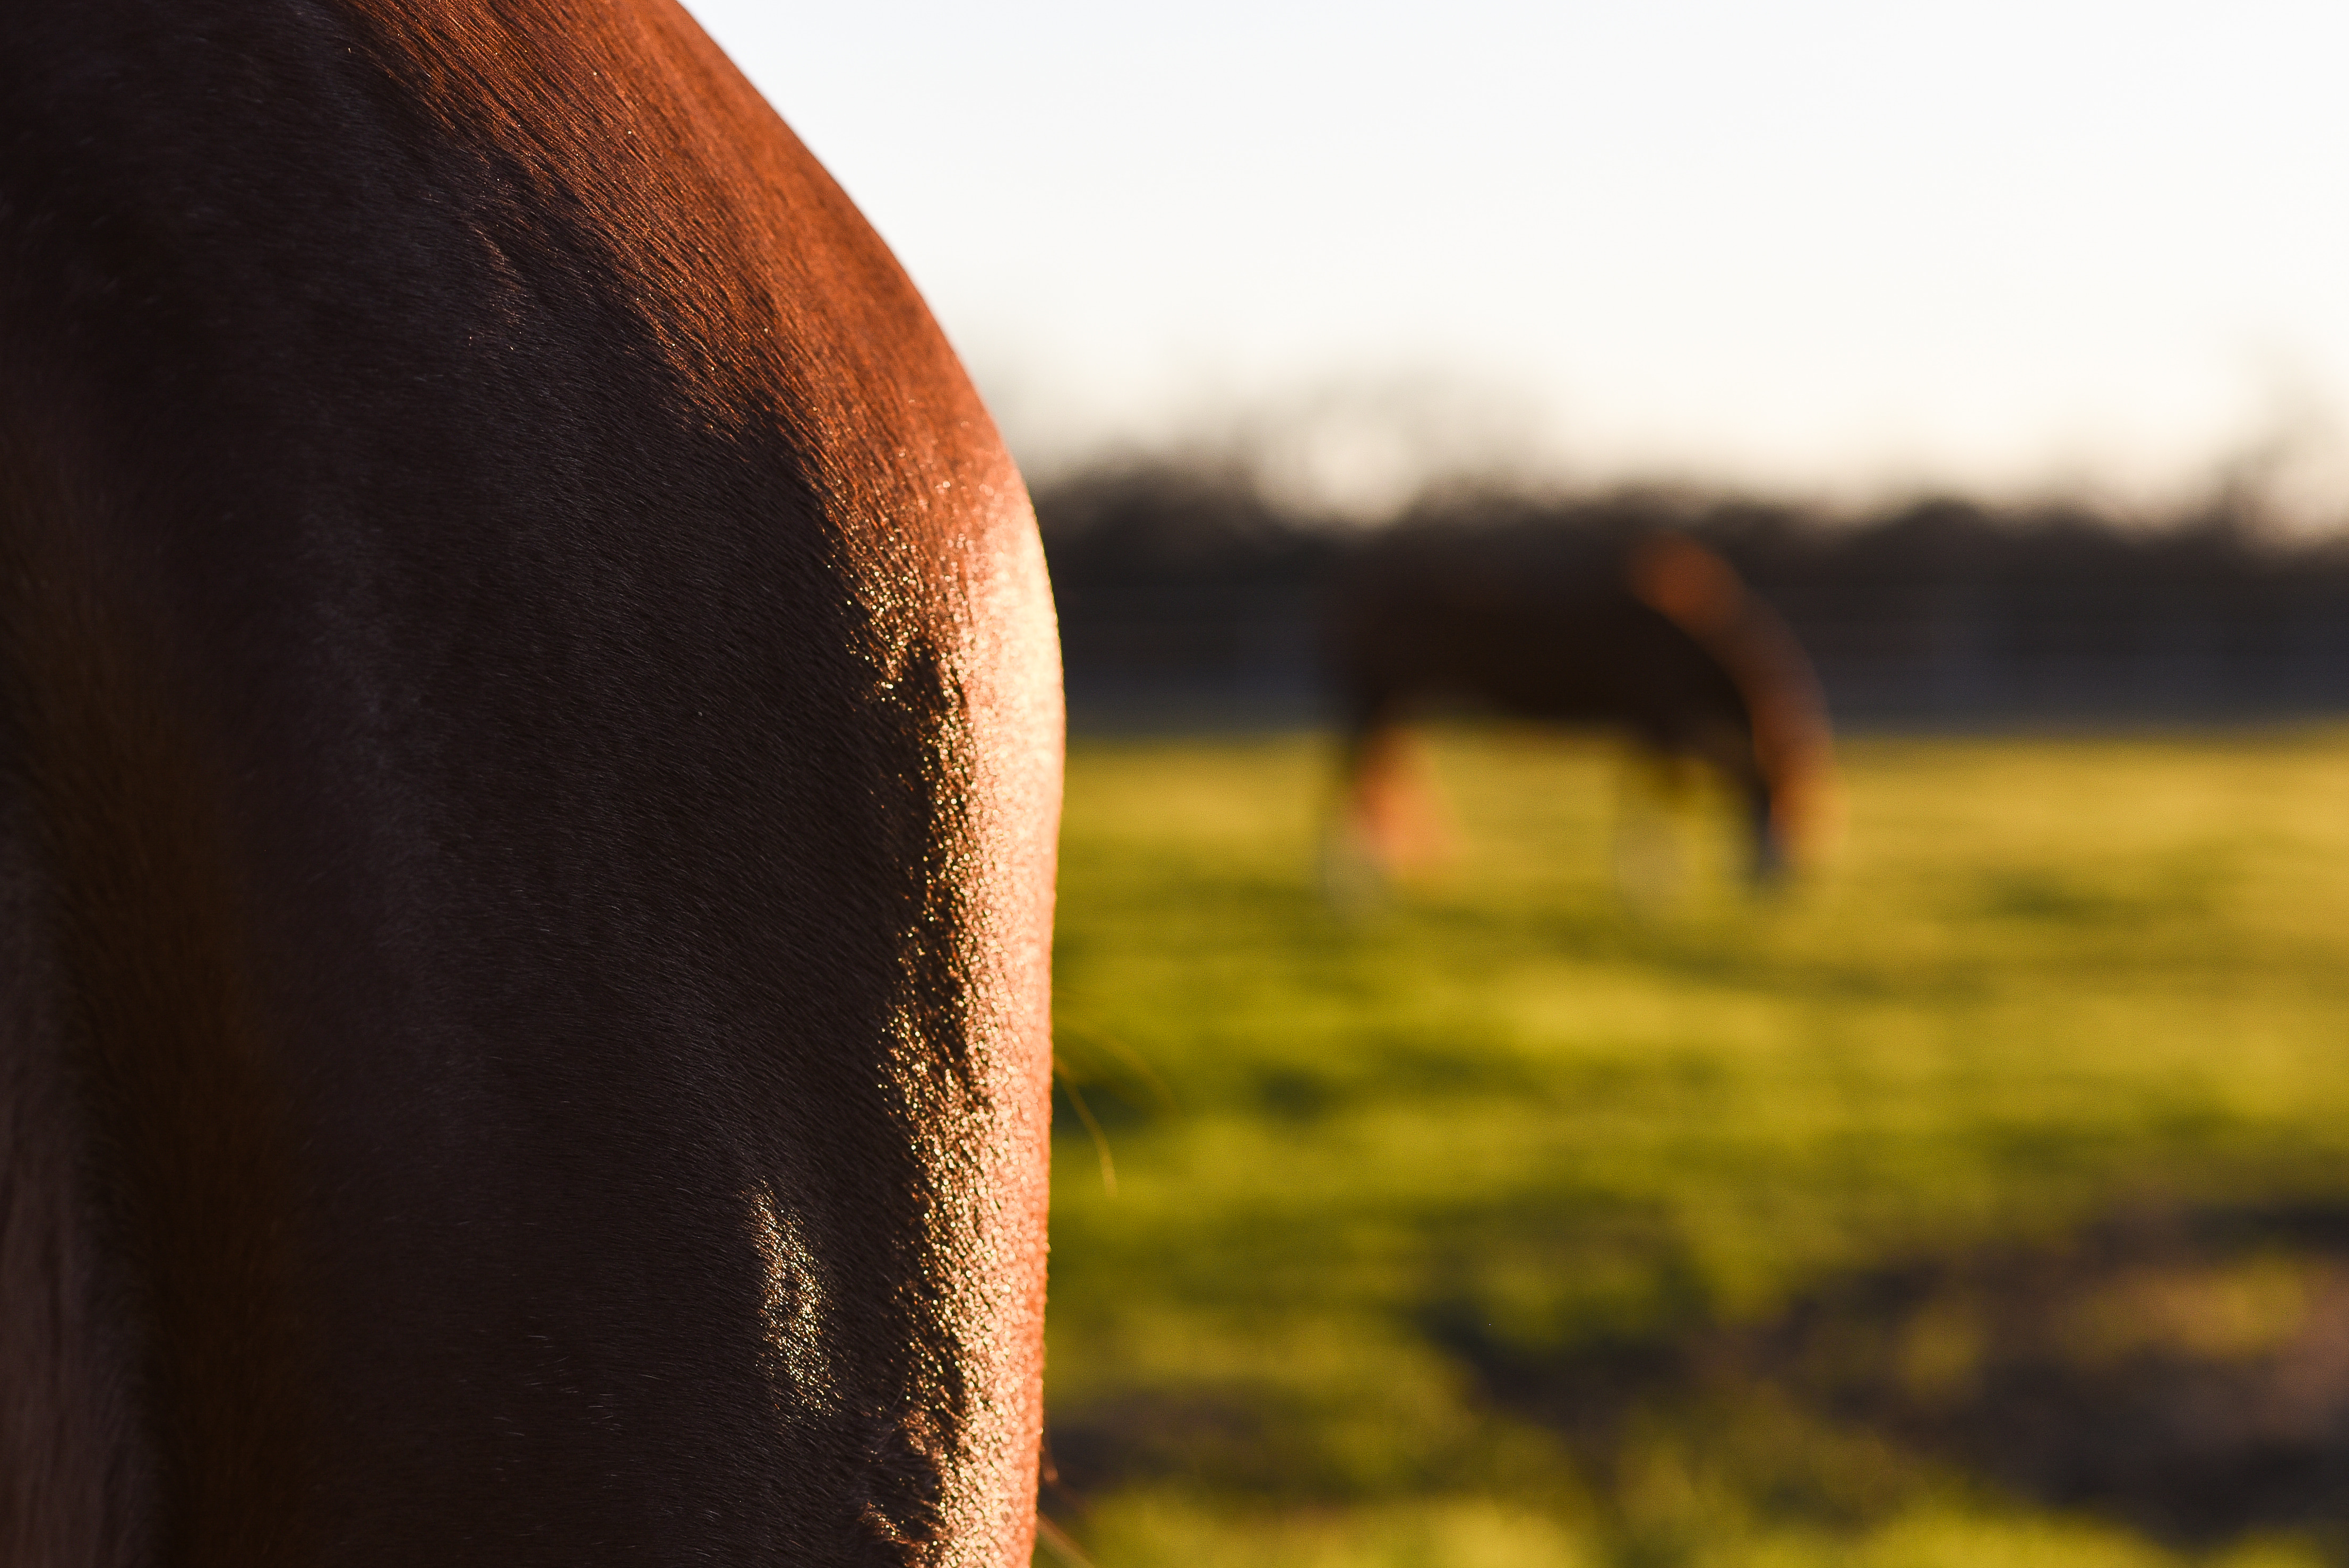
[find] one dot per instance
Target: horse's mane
(1701, 593)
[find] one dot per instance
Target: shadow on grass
(2183, 1373)
(2188, 1374)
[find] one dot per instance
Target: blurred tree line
(1189, 598)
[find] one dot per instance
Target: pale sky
(1815, 246)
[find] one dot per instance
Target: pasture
(1983, 1202)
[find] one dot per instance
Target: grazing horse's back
(529, 748)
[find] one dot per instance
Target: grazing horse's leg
(1387, 809)
(1352, 872)
(1722, 744)
(529, 752)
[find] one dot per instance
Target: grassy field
(1983, 1202)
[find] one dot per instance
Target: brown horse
(528, 754)
(1647, 634)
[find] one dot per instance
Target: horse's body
(1648, 636)
(528, 750)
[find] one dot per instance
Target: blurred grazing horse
(1650, 636)
(529, 756)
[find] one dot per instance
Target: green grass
(1503, 1119)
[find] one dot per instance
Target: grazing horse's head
(1782, 759)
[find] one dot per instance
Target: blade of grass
(1124, 1053)
(1056, 1540)
(1101, 1140)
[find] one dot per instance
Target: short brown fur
(532, 742)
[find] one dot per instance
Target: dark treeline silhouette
(1189, 598)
